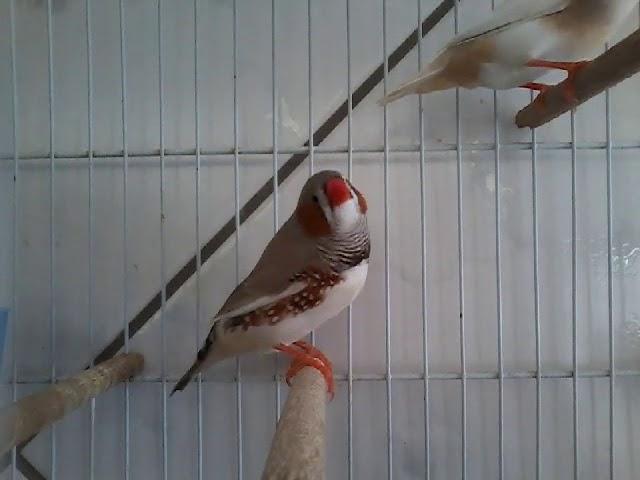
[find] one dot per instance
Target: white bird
(519, 43)
(312, 269)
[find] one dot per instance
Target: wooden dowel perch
(298, 446)
(612, 67)
(25, 418)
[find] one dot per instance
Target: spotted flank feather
(317, 284)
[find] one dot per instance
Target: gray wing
(288, 252)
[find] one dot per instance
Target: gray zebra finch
(311, 270)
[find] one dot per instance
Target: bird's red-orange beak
(337, 191)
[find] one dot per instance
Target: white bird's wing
(510, 13)
(506, 15)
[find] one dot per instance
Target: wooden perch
(25, 418)
(612, 67)
(298, 446)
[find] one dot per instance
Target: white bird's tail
(431, 82)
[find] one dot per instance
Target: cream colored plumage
(495, 53)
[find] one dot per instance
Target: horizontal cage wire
(151, 149)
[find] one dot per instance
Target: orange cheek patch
(312, 220)
(362, 203)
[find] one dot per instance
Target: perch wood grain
(298, 446)
(612, 67)
(23, 419)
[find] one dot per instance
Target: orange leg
(572, 69)
(311, 350)
(305, 355)
(538, 87)
(566, 66)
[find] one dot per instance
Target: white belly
(291, 329)
(516, 46)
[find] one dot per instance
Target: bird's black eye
(315, 199)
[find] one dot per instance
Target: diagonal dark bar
(27, 469)
(254, 203)
(22, 464)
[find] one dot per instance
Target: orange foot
(306, 355)
(572, 69)
(537, 87)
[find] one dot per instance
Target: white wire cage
(504, 261)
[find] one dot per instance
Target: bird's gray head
(329, 204)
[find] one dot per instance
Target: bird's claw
(568, 85)
(540, 100)
(311, 350)
(306, 355)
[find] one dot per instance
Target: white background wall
(71, 240)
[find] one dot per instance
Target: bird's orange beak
(337, 191)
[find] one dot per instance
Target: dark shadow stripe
(27, 469)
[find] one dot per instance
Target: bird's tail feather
(431, 82)
(205, 356)
(186, 378)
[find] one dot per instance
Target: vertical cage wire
(387, 300)
(498, 231)
(16, 212)
(199, 424)
(125, 283)
(310, 89)
(349, 308)
(612, 354)
(274, 132)
(463, 362)
(92, 402)
(612, 357)
(423, 256)
(236, 181)
(536, 296)
(52, 219)
(274, 129)
(163, 290)
(312, 335)
(574, 296)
